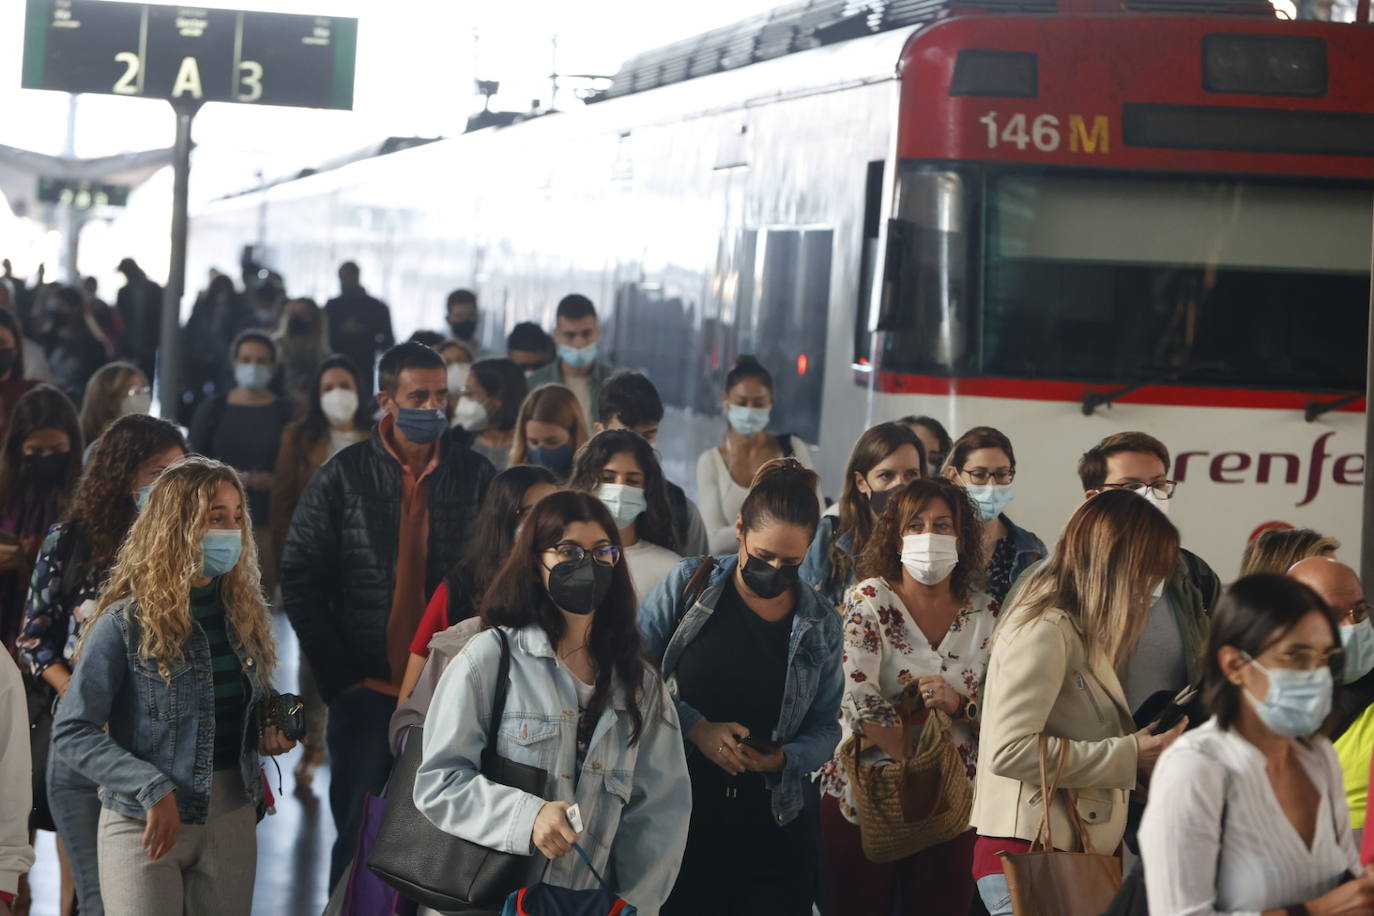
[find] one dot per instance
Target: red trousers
(934, 882)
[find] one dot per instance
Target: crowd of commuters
(722, 689)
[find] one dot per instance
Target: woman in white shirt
(917, 628)
(619, 468)
(1247, 814)
(725, 471)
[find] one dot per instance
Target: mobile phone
(1177, 709)
(762, 745)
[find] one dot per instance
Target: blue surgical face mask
(558, 459)
(1298, 702)
(1358, 642)
(422, 425)
(578, 357)
(141, 496)
(748, 420)
(252, 375)
(221, 548)
(990, 498)
(624, 503)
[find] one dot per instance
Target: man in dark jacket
(139, 303)
(374, 533)
(359, 324)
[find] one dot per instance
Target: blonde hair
(161, 558)
(1278, 551)
(104, 392)
(550, 403)
(1113, 549)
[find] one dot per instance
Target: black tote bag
(437, 869)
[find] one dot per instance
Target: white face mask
(929, 557)
(470, 414)
(457, 376)
(339, 404)
(1357, 639)
(1148, 494)
(625, 503)
(140, 403)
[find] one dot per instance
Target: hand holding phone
(1177, 708)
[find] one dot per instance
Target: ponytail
(783, 490)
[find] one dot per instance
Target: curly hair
(882, 555)
(103, 504)
(655, 524)
(43, 407)
(161, 559)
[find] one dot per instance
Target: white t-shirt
(648, 564)
(581, 387)
(342, 439)
(720, 498)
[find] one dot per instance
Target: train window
(873, 209)
(1184, 281)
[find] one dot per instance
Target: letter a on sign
(188, 79)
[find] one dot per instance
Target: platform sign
(190, 54)
(82, 195)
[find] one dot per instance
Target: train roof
(807, 24)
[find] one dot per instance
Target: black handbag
(437, 869)
(41, 698)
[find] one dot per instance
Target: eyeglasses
(1163, 489)
(606, 554)
(1356, 614)
(981, 476)
(139, 389)
(1307, 659)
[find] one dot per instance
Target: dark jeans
(76, 812)
(359, 764)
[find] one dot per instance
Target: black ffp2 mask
(463, 330)
(766, 580)
(877, 500)
(579, 586)
(47, 471)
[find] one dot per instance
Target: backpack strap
(498, 702)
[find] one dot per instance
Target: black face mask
(297, 325)
(8, 358)
(463, 330)
(766, 580)
(47, 471)
(579, 586)
(877, 500)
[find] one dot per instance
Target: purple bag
(365, 894)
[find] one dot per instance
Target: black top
(244, 437)
(207, 611)
(735, 668)
(359, 328)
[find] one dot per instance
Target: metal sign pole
(169, 382)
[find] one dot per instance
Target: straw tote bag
(905, 806)
(1053, 883)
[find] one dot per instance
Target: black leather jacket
(338, 571)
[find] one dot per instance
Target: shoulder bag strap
(498, 702)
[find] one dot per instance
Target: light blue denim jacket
(161, 732)
(635, 800)
(809, 722)
(817, 569)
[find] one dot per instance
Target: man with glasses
(1352, 727)
(1166, 656)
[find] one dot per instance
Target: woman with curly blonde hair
(161, 710)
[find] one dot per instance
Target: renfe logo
(1235, 467)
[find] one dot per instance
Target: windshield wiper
(1316, 408)
(1095, 399)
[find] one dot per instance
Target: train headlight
(1264, 64)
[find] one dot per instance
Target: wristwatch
(968, 710)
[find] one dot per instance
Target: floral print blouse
(53, 621)
(884, 651)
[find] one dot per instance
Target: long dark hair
(103, 504)
(1253, 614)
(856, 518)
(882, 556)
(517, 598)
(655, 524)
(501, 378)
(10, 322)
(315, 426)
(43, 407)
(493, 534)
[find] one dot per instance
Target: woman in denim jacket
(159, 710)
(582, 704)
(752, 657)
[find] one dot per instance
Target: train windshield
(1193, 281)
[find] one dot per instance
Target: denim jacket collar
(533, 641)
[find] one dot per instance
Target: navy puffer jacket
(338, 571)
